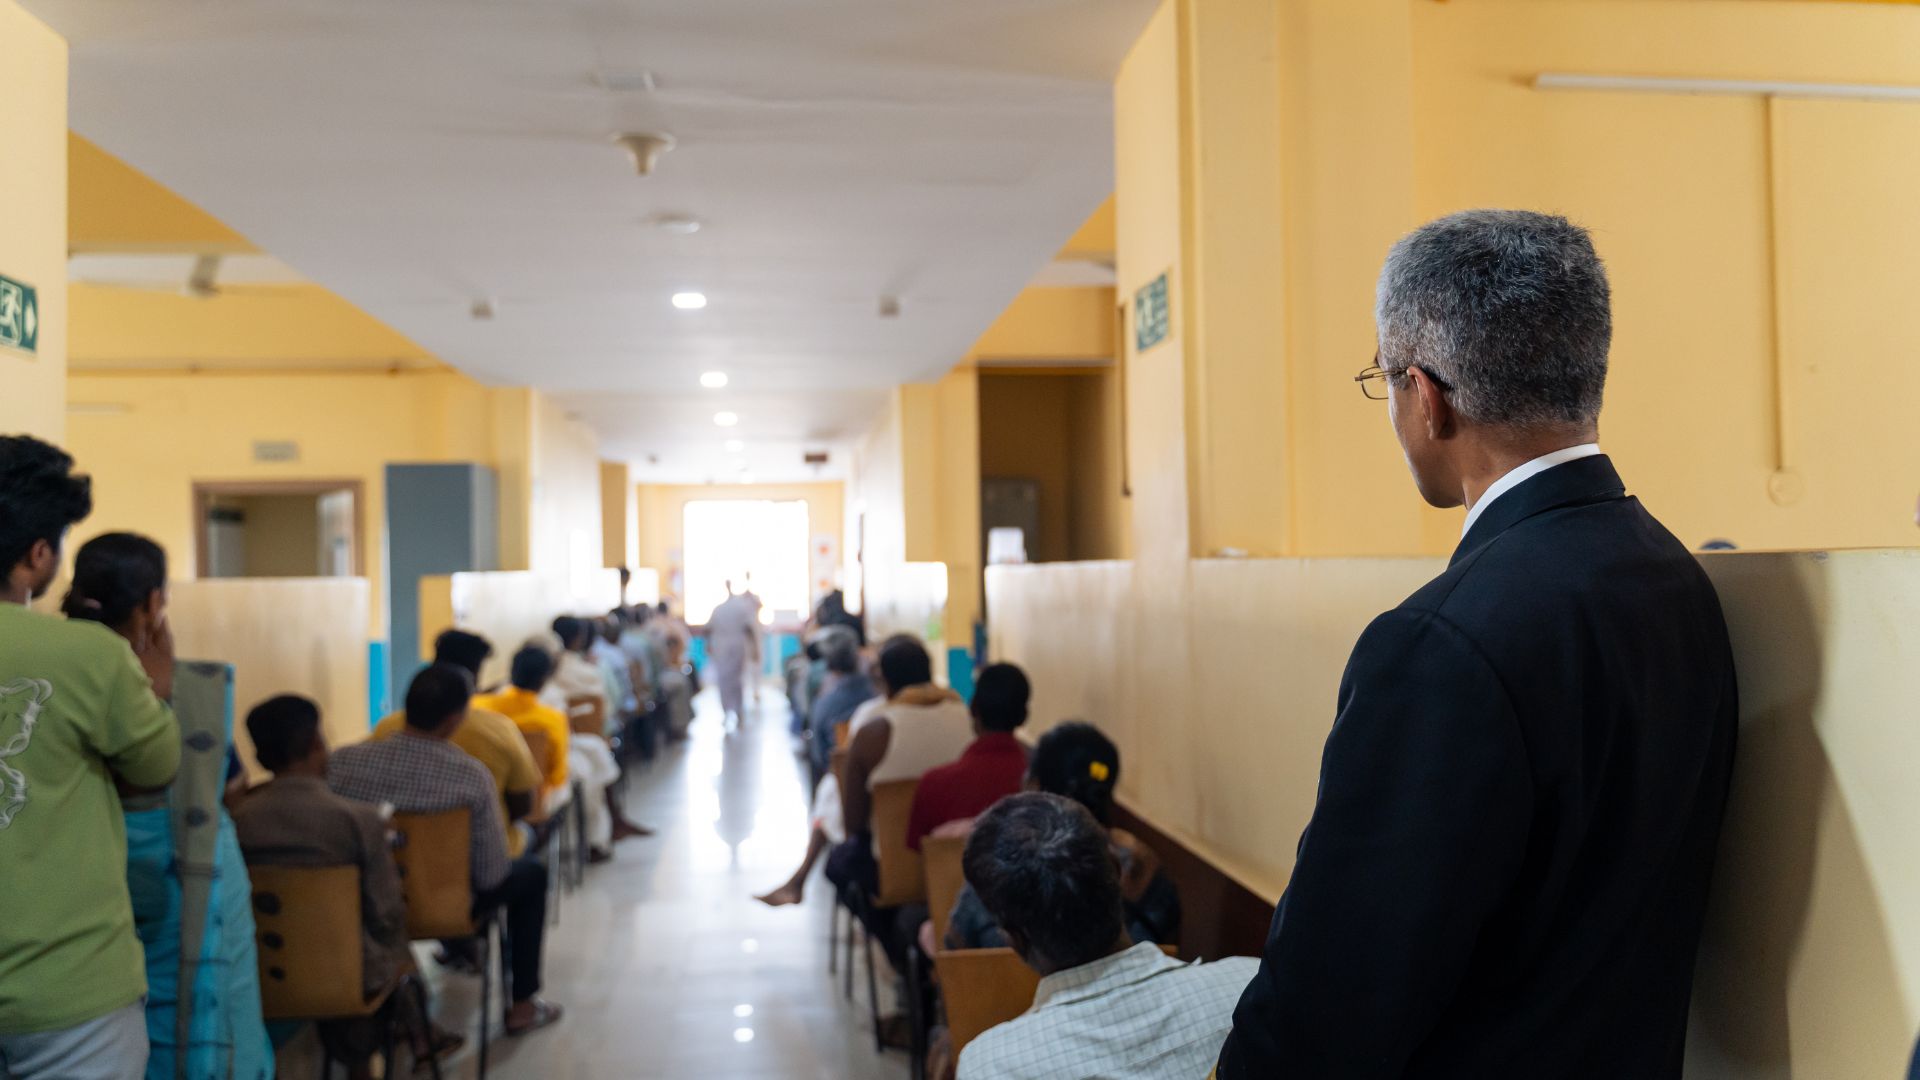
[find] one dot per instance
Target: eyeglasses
(1376, 382)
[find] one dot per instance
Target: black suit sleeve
(1419, 828)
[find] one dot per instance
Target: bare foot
(784, 896)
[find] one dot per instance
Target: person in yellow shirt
(488, 737)
(538, 723)
(581, 758)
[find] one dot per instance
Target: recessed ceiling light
(689, 301)
(676, 224)
(734, 446)
(714, 380)
(726, 419)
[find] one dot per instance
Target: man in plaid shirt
(421, 772)
(1106, 1007)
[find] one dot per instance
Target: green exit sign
(1151, 317)
(19, 316)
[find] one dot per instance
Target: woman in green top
(77, 709)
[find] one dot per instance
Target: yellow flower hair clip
(1099, 771)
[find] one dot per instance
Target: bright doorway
(753, 543)
(287, 529)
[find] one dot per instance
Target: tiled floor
(666, 965)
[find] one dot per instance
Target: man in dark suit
(1507, 866)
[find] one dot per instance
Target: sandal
(545, 1014)
(445, 1045)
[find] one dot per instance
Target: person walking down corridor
(79, 709)
(733, 643)
(1507, 866)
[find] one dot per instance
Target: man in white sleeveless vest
(920, 726)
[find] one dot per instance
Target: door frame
(204, 492)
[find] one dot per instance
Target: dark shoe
(596, 856)
(896, 1032)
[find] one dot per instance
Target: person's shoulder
(388, 727)
(1001, 1051)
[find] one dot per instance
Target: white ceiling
(417, 156)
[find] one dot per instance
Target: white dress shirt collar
(1523, 474)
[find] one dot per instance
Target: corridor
(666, 965)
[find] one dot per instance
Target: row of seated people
(1085, 904)
(94, 767)
(515, 758)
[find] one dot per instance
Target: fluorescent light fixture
(734, 446)
(714, 380)
(726, 419)
(1558, 80)
(689, 301)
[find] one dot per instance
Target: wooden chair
(307, 929)
(587, 715)
(435, 853)
(984, 988)
(903, 880)
(945, 879)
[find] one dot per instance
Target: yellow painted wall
(147, 438)
(1057, 323)
(662, 513)
(619, 514)
(114, 207)
(1284, 216)
(564, 535)
(1811, 964)
(33, 238)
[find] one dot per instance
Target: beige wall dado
(1811, 965)
(304, 636)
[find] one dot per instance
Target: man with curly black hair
(78, 709)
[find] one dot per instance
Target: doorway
(753, 544)
(279, 529)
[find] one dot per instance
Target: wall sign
(19, 316)
(1151, 319)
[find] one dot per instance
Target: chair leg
(916, 1015)
(426, 1026)
(326, 1056)
(486, 994)
(846, 965)
(389, 1050)
(833, 938)
(873, 999)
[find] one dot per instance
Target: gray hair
(1508, 308)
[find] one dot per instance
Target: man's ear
(1435, 410)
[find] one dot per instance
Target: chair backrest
(540, 747)
(306, 923)
(983, 988)
(587, 715)
(837, 765)
(941, 855)
(902, 881)
(435, 856)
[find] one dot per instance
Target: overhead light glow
(743, 1035)
(714, 380)
(726, 419)
(734, 446)
(689, 301)
(747, 478)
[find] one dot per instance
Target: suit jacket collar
(1588, 480)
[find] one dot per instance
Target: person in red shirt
(992, 767)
